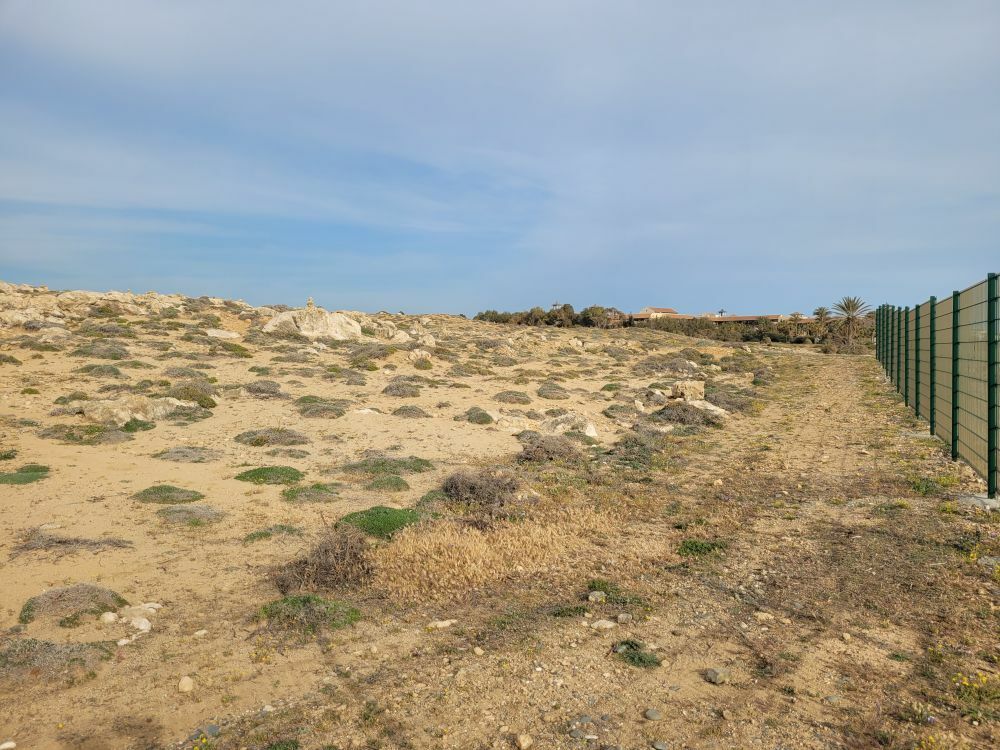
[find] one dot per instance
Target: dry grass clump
(271, 436)
(665, 363)
(402, 389)
(486, 493)
(341, 558)
(730, 397)
(39, 540)
(410, 412)
(32, 661)
(552, 391)
(319, 407)
(448, 560)
(681, 412)
(512, 397)
(188, 454)
(538, 448)
(475, 415)
(264, 389)
(198, 391)
(68, 603)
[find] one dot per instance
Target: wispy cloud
(460, 155)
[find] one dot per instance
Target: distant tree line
(562, 316)
(847, 326)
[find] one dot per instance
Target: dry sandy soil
(798, 573)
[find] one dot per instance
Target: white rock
(124, 641)
(185, 685)
(219, 333)
(315, 322)
(109, 617)
(8, 745)
(132, 406)
(152, 605)
(524, 741)
(141, 624)
(689, 390)
(200, 633)
(603, 624)
(441, 624)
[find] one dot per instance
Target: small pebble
(623, 618)
(109, 617)
(478, 651)
(660, 745)
(200, 633)
(524, 741)
(653, 714)
(8, 745)
(577, 734)
(185, 685)
(728, 715)
(602, 624)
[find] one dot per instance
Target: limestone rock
(315, 322)
(689, 390)
(132, 406)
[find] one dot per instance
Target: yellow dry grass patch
(445, 560)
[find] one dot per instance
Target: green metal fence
(942, 357)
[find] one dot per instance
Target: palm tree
(822, 315)
(849, 312)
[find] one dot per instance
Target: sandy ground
(826, 600)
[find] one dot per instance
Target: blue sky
(455, 156)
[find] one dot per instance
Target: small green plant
(137, 425)
(635, 653)
(25, 475)
(167, 494)
(8, 454)
(271, 475)
(475, 415)
(307, 614)
(8, 359)
(699, 547)
(925, 486)
(30, 391)
(389, 465)
(380, 521)
(570, 610)
(278, 529)
(271, 436)
(613, 592)
(318, 492)
(388, 483)
(423, 363)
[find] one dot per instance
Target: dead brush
(38, 540)
(538, 448)
(340, 559)
(487, 494)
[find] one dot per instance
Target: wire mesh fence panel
(942, 371)
(924, 364)
(942, 356)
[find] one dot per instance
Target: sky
(455, 156)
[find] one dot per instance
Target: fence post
(955, 311)
(906, 355)
(899, 350)
(916, 361)
(932, 364)
(991, 383)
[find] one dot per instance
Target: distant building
(653, 313)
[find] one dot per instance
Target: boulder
(219, 333)
(315, 323)
(567, 422)
(120, 410)
(689, 390)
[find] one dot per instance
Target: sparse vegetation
(380, 521)
(27, 474)
(271, 475)
(167, 494)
